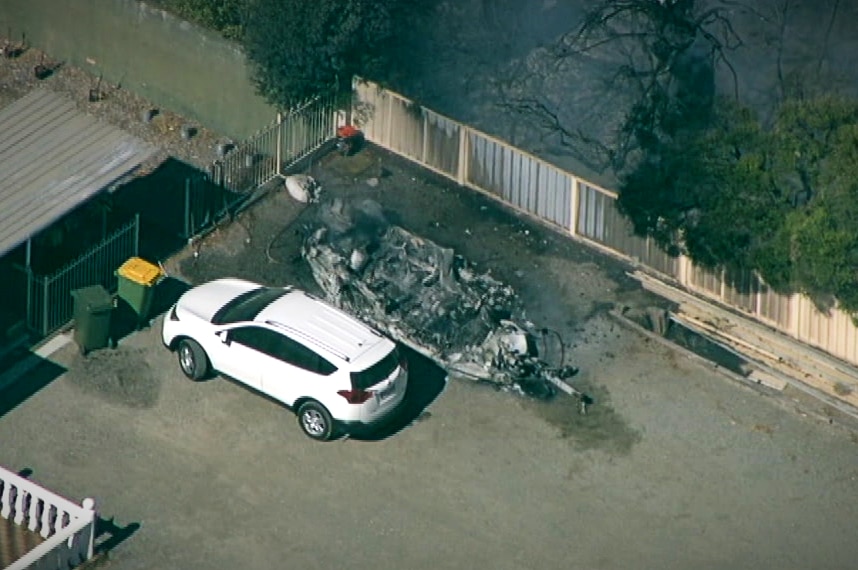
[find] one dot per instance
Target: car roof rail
(310, 338)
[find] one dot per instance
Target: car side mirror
(224, 337)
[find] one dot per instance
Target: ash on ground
(429, 298)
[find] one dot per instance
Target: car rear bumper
(375, 425)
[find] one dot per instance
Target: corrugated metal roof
(52, 159)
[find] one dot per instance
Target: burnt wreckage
(431, 299)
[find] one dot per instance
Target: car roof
(313, 322)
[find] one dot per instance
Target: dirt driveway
(676, 467)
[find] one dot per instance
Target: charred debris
(433, 300)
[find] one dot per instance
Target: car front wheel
(316, 421)
(193, 360)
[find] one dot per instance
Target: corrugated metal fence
(582, 209)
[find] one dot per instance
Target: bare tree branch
(824, 51)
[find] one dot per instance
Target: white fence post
(279, 161)
(462, 170)
(89, 505)
(682, 267)
(573, 205)
(425, 146)
(795, 306)
(388, 123)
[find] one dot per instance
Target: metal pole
(29, 270)
(136, 234)
(45, 303)
(279, 162)
(187, 208)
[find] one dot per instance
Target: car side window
(257, 338)
(281, 347)
(297, 354)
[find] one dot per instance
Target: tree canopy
(772, 189)
(300, 49)
(781, 198)
(224, 16)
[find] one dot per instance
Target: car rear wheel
(315, 421)
(193, 360)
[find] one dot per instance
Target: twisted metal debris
(429, 298)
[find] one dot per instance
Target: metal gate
(49, 302)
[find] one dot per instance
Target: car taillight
(356, 396)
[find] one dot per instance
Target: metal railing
(68, 529)
(267, 154)
(49, 302)
(253, 163)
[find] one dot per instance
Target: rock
(357, 260)
(148, 115)
(658, 320)
(303, 188)
(188, 132)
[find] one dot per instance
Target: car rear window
(377, 372)
(246, 306)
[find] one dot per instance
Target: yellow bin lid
(140, 271)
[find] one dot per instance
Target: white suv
(337, 373)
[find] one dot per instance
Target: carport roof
(53, 158)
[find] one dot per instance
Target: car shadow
(125, 319)
(426, 381)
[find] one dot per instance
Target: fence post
(424, 151)
(89, 505)
(462, 170)
(682, 270)
(573, 205)
(722, 290)
(136, 234)
(795, 310)
(45, 303)
(388, 124)
(30, 315)
(279, 161)
(187, 208)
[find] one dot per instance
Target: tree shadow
(25, 375)
(175, 202)
(426, 381)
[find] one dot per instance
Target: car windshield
(377, 372)
(246, 306)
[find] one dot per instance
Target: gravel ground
(675, 467)
(116, 105)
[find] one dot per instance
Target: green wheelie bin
(137, 280)
(93, 307)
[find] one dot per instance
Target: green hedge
(224, 16)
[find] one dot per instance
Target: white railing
(68, 528)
